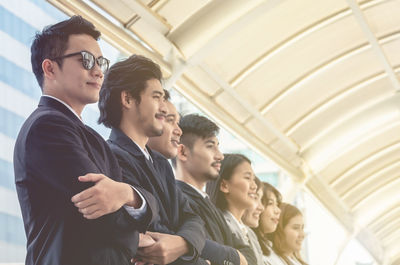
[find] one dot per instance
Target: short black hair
(228, 166)
(194, 126)
(53, 41)
(129, 75)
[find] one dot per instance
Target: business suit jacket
(175, 214)
(216, 227)
(52, 150)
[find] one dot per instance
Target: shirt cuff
(137, 213)
(190, 256)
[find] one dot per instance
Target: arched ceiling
(313, 85)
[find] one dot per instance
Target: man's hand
(243, 260)
(106, 196)
(145, 241)
(166, 249)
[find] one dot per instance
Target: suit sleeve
(192, 226)
(246, 250)
(56, 156)
(220, 254)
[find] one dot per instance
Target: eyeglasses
(88, 60)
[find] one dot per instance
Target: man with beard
(198, 161)
(132, 104)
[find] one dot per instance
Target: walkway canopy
(313, 85)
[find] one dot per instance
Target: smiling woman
(234, 192)
(289, 235)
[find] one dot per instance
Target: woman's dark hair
(228, 166)
(52, 42)
(129, 75)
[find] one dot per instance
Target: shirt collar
(202, 193)
(66, 105)
(144, 151)
(242, 226)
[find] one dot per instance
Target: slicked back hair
(52, 42)
(129, 75)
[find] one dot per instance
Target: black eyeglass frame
(86, 63)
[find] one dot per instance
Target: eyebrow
(210, 141)
(158, 92)
(171, 115)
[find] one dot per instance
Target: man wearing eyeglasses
(57, 156)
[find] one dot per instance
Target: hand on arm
(167, 249)
(106, 196)
(243, 260)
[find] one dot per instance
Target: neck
(289, 254)
(134, 133)
(78, 108)
(183, 175)
(237, 213)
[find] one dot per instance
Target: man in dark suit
(198, 161)
(132, 104)
(218, 251)
(56, 157)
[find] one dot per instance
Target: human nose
(219, 155)
(277, 210)
(177, 130)
(302, 233)
(253, 185)
(163, 107)
(96, 71)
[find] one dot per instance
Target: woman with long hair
(268, 223)
(289, 235)
(234, 192)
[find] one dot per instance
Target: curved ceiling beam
(392, 238)
(365, 161)
(374, 42)
(296, 37)
(254, 65)
(384, 216)
(147, 14)
(255, 114)
(376, 120)
(315, 71)
(388, 228)
(214, 23)
(381, 172)
(335, 97)
(389, 184)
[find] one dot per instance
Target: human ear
(224, 186)
(48, 69)
(182, 152)
(125, 99)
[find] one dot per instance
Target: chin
(171, 154)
